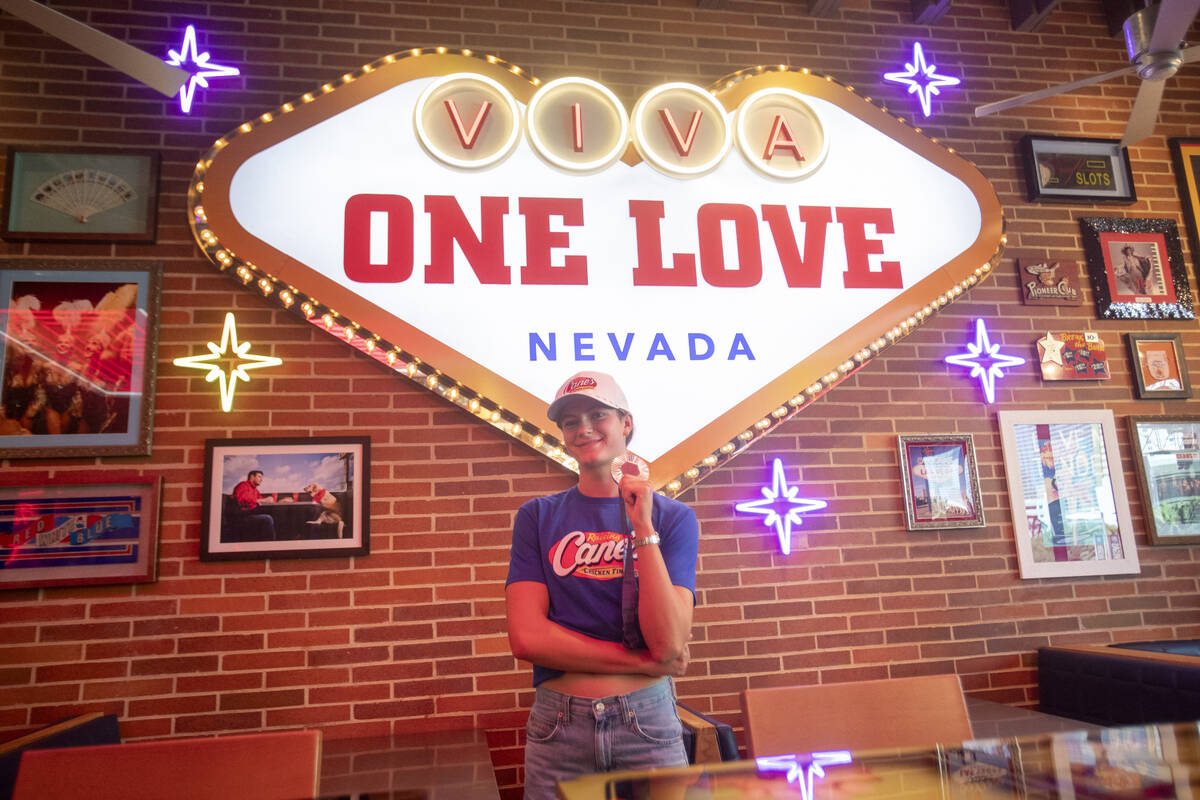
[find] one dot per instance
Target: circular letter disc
(577, 125)
(670, 136)
(452, 126)
(780, 134)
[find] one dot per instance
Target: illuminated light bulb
(849, 88)
(971, 279)
(538, 440)
(759, 68)
(416, 51)
(746, 436)
(219, 142)
(928, 310)
(307, 308)
(327, 88)
(347, 77)
(537, 81)
(266, 117)
(389, 58)
(956, 291)
(556, 452)
(491, 59)
(200, 187)
(949, 149)
(763, 424)
(495, 416)
(367, 68)
(912, 321)
(692, 472)
(516, 70)
(391, 358)
(916, 130)
(806, 71)
(779, 412)
(287, 107)
(206, 234)
(266, 286)
(411, 369)
(709, 461)
(728, 447)
(441, 51)
(328, 320)
(244, 127)
(829, 77)
(880, 342)
(370, 345)
(466, 52)
(308, 98)
(432, 381)
(831, 378)
(287, 298)
(474, 404)
(674, 486)
(349, 331)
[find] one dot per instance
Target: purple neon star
(921, 79)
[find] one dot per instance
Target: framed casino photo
(1064, 170)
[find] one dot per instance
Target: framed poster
(79, 533)
(1067, 490)
(1159, 367)
(1072, 356)
(1186, 155)
(1136, 268)
(1049, 283)
(79, 341)
(80, 194)
(941, 482)
(1065, 170)
(285, 498)
(1168, 466)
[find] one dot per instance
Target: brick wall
(412, 637)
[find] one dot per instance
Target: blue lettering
(659, 347)
(622, 352)
(550, 351)
(740, 347)
(693, 339)
(583, 347)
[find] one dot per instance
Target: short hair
(252, 473)
(1128, 249)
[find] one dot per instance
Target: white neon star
(921, 78)
(981, 348)
(802, 771)
(243, 360)
(780, 497)
(207, 69)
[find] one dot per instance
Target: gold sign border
(426, 361)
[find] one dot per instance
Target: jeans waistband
(595, 706)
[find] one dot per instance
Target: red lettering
(648, 233)
(468, 137)
(356, 238)
(781, 138)
(682, 144)
(448, 225)
(540, 240)
(748, 271)
(800, 272)
(577, 126)
(859, 249)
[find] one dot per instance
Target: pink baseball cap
(596, 385)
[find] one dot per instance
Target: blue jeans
(570, 736)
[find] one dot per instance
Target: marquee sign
(729, 254)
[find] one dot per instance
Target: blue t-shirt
(575, 545)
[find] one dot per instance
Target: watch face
(629, 464)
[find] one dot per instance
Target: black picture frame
(1153, 243)
(1062, 169)
(80, 194)
(1185, 155)
(318, 490)
(79, 349)
(1165, 351)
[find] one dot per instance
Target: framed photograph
(1168, 466)
(1065, 170)
(1067, 490)
(1159, 367)
(1186, 155)
(941, 482)
(1136, 268)
(80, 194)
(79, 341)
(79, 533)
(285, 498)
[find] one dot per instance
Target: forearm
(664, 614)
(549, 644)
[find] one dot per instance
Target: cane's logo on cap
(579, 384)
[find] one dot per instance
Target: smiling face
(593, 433)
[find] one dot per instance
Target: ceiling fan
(1154, 38)
(137, 64)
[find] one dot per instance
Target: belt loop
(564, 707)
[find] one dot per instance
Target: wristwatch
(651, 539)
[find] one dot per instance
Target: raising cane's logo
(599, 555)
(580, 384)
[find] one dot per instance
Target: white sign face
(766, 235)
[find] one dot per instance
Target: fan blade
(1171, 27)
(1145, 112)
(1020, 100)
(137, 64)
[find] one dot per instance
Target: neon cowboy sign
(730, 254)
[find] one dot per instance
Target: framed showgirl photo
(1136, 268)
(79, 341)
(79, 194)
(79, 533)
(1168, 466)
(941, 482)
(1159, 367)
(1070, 509)
(1186, 155)
(285, 498)
(1064, 170)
